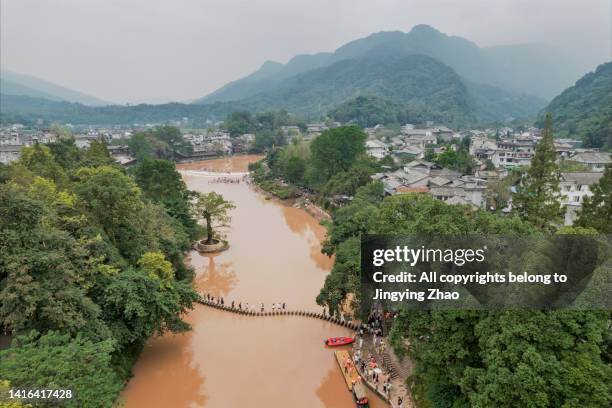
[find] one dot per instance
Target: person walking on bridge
(262, 308)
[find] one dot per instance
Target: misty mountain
(12, 83)
(527, 68)
(584, 110)
(31, 110)
(421, 87)
(412, 88)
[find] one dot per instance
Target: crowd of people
(276, 306)
(227, 180)
(369, 366)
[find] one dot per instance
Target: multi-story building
(574, 187)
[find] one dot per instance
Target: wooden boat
(360, 396)
(338, 341)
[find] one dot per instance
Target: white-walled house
(376, 149)
(574, 187)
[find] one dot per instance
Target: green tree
(214, 209)
(597, 209)
(66, 153)
(294, 169)
(537, 194)
(161, 183)
(335, 150)
(97, 155)
(114, 202)
(56, 360)
(430, 155)
(40, 161)
(140, 146)
(155, 265)
(43, 271)
(173, 138)
(459, 160)
(347, 182)
(137, 306)
(268, 138)
(549, 359)
(238, 123)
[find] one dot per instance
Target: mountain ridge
(13, 83)
(584, 110)
(417, 87)
(527, 68)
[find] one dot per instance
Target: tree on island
(212, 208)
(536, 200)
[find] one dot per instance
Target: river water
(230, 360)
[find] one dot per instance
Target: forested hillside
(421, 82)
(29, 110)
(584, 111)
(13, 83)
(527, 68)
(413, 88)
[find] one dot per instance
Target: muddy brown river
(230, 360)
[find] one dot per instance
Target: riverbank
(295, 196)
(235, 163)
(301, 202)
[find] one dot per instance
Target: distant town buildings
(213, 142)
(495, 153)
(14, 138)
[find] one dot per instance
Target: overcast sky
(159, 50)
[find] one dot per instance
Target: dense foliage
(370, 213)
(368, 111)
(91, 266)
(456, 157)
(240, 122)
(584, 111)
(473, 358)
(163, 142)
(31, 111)
(332, 164)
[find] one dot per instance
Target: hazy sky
(156, 50)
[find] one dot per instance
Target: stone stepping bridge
(313, 315)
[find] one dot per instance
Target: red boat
(338, 341)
